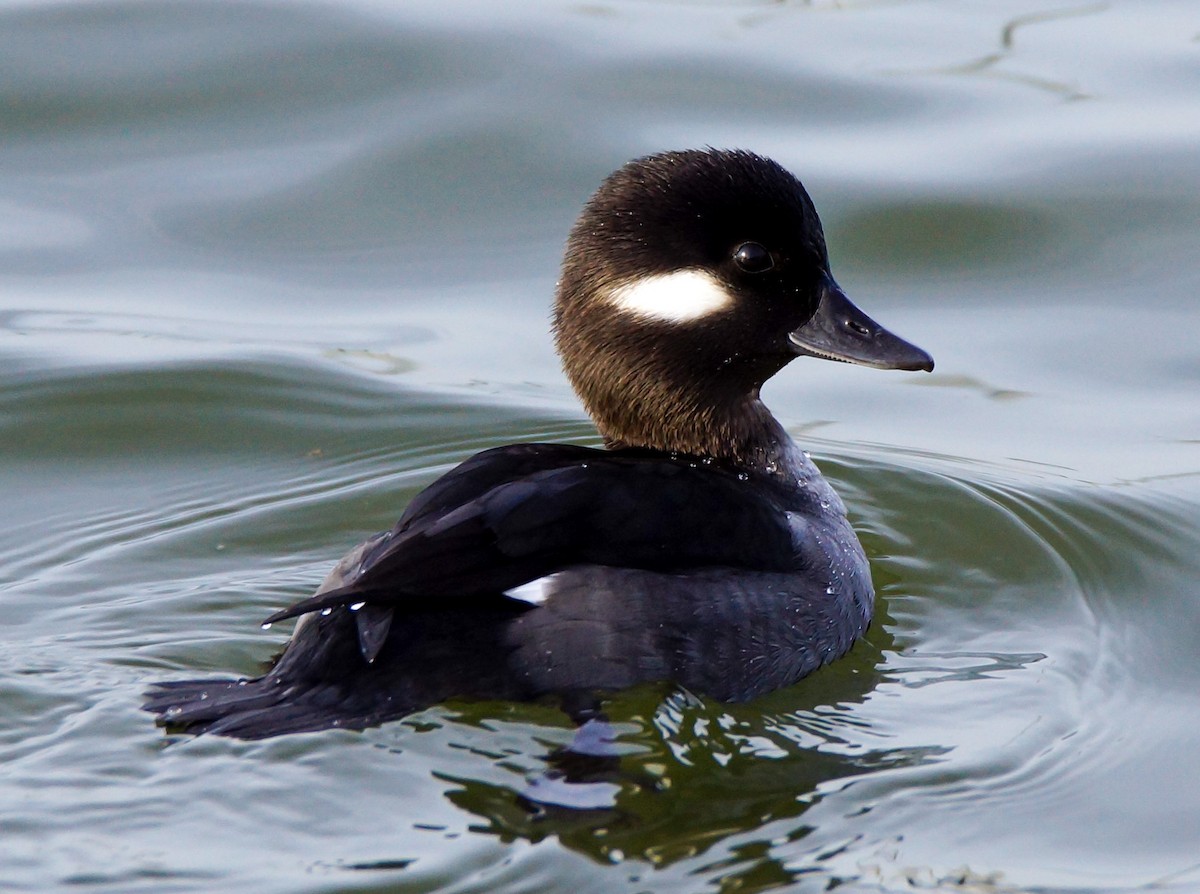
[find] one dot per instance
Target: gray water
(268, 269)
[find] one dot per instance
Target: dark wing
(510, 516)
(486, 470)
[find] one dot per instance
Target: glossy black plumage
(513, 514)
(729, 635)
(726, 600)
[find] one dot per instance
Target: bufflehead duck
(700, 546)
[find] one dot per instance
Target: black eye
(753, 258)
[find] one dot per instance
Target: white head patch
(678, 297)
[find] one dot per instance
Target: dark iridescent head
(690, 279)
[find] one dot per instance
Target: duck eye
(753, 258)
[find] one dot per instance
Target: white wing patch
(679, 297)
(535, 592)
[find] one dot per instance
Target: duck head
(690, 279)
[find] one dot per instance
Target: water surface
(267, 270)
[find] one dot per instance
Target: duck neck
(740, 432)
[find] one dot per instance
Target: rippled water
(269, 269)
